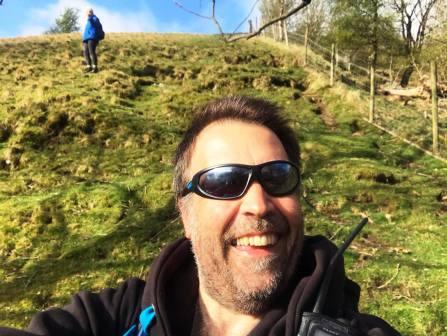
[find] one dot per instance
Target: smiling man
(244, 220)
(245, 266)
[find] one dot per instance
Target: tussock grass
(85, 169)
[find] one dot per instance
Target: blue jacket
(92, 29)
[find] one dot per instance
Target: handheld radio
(316, 324)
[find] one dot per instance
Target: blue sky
(33, 17)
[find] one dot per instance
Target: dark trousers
(90, 52)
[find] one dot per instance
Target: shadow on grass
(368, 147)
(38, 283)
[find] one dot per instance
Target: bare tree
(435, 46)
(414, 20)
(233, 36)
(438, 24)
(270, 9)
(315, 19)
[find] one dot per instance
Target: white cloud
(126, 21)
(41, 19)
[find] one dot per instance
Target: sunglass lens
(279, 178)
(224, 182)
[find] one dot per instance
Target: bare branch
(414, 21)
(232, 37)
(413, 11)
(391, 279)
(246, 18)
(213, 18)
(191, 11)
(303, 4)
(214, 8)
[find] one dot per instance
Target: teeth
(262, 240)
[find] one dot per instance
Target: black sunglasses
(231, 181)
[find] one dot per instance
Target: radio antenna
(321, 299)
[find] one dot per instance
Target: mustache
(274, 224)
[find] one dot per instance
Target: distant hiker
(244, 265)
(93, 33)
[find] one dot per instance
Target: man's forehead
(234, 141)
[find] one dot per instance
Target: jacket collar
(172, 287)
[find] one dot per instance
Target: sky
(34, 17)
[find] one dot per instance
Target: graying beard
(264, 264)
(253, 303)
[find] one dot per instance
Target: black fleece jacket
(172, 288)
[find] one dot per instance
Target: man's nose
(256, 202)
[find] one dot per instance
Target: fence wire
(409, 118)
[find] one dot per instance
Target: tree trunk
(281, 31)
(286, 36)
(406, 75)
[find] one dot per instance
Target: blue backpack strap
(147, 316)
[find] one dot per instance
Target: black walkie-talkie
(316, 324)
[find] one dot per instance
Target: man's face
(245, 248)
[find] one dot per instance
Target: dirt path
(321, 110)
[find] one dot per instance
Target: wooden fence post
(372, 92)
(434, 107)
(390, 73)
(306, 36)
(336, 57)
(332, 65)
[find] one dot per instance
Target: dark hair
(246, 109)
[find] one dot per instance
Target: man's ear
(184, 206)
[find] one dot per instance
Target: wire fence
(405, 113)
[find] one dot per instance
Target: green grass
(85, 170)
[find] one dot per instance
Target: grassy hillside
(85, 170)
